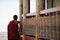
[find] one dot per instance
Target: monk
(13, 33)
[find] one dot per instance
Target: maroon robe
(13, 33)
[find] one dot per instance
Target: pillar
(25, 8)
(25, 11)
(39, 6)
(20, 14)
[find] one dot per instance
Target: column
(39, 6)
(20, 14)
(25, 8)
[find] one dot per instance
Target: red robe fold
(13, 33)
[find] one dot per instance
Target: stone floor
(3, 36)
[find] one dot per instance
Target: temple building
(44, 24)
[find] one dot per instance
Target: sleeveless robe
(13, 33)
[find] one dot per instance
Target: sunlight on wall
(7, 10)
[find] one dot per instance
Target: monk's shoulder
(11, 22)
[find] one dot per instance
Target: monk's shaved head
(15, 17)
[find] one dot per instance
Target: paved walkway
(3, 36)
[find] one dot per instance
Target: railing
(48, 24)
(47, 11)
